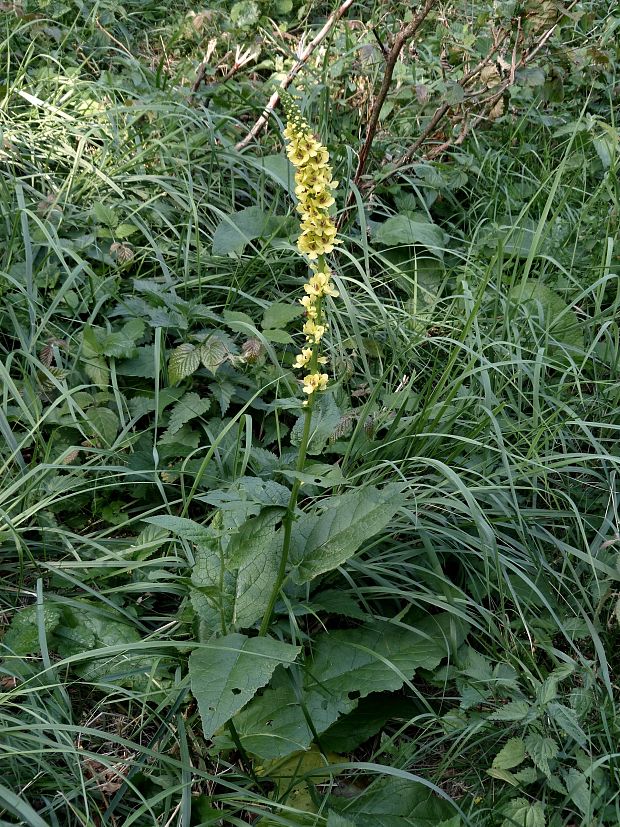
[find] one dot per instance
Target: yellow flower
(314, 331)
(310, 306)
(302, 359)
(315, 382)
(319, 285)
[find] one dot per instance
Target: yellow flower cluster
(314, 187)
(318, 236)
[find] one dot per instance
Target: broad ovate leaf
(226, 673)
(323, 540)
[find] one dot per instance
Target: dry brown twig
(301, 60)
(489, 104)
(406, 33)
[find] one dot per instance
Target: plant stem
(288, 520)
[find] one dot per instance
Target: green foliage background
(445, 652)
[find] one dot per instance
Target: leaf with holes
(226, 673)
(184, 360)
(345, 666)
(323, 541)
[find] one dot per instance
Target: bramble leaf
(184, 360)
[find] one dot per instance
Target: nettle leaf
(122, 343)
(503, 775)
(189, 407)
(403, 230)
(22, 636)
(566, 719)
(396, 802)
(510, 755)
(521, 813)
(345, 666)
(541, 750)
(325, 419)
(235, 231)
(514, 711)
(279, 314)
(323, 541)
(184, 360)
(225, 674)
(578, 790)
(104, 214)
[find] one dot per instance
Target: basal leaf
(323, 541)
(344, 666)
(401, 230)
(22, 636)
(396, 802)
(548, 312)
(226, 673)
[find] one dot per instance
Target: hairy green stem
(288, 521)
(289, 516)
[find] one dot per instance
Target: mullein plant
(314, 186)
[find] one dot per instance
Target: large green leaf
(184, 360)
(345, 666)
(236, 230)
(232, 578)
(22, 636)
(548, 313)
(226, 673)
(396, 802)
(522, 813)
(404, 230)
(323, 541)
